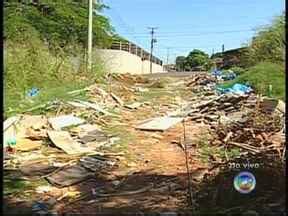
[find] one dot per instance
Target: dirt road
(151, 173)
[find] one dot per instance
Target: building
(229, 58)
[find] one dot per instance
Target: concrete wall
(119, 61)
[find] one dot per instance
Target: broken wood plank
(228, 136)
(117, 99)
(160, 123)
(245, 146)
(10, 121)
(69, 176)
(133, 105)
(64, 141)
(95, 107)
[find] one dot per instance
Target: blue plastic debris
(229, 76)
(39, 207)
(216, 73)
(237, 88)
(33, 92)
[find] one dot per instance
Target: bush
(261, 76)
(237, 70)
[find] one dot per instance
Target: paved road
(173, 74)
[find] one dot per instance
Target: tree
(62, 23)
(180, 63)
(196, 58)
(268, 44)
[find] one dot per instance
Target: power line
(199, 34)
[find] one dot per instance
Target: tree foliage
(196, 58)
(180, 63)
(56, 22)
(268, 44)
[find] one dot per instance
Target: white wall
(118, 61)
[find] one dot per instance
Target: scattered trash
(10, 121)
(96, 163)
(43, 189)
(159, 124)
(237, 88)
(9, 135)
(33, 92)
(140, 89)
(37, 168)
(40, 208)
(69, 176)
(24, 144)
(117, 99)
(64, 141)
(64, 121)
(95, 135)
(134, 105)
(228, 76)
(95, 107)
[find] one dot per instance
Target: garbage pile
(255, 133)
(221, 75)
(200, 81)
(66, 138)
(215, 109)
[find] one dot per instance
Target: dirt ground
(150, 176)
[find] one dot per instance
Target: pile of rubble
(42, 145)
(200, 82)
(212, 109)
(255, 133)
(200, 79)
(247, 121)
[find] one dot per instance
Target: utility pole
(223, 48)
(90, 19)
(152, 43)
(168, 49)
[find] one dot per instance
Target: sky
(184, 25)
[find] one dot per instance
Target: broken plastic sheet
(237, 88)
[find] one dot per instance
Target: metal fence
(134, 49)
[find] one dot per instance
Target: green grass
(21, 188)
(125, 136)
(260, 77)
(206, 150)
(13, 104)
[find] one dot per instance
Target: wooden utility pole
(152, 43)
(90, 19)
(168, 49)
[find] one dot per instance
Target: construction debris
(95, 107)
(69, 176)
(200, 79)
(159, 124)
(64, 141)
(37, 168)
(60, 122)
(257, 133)
(134, 105)
(117, 99)
(24, 144)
